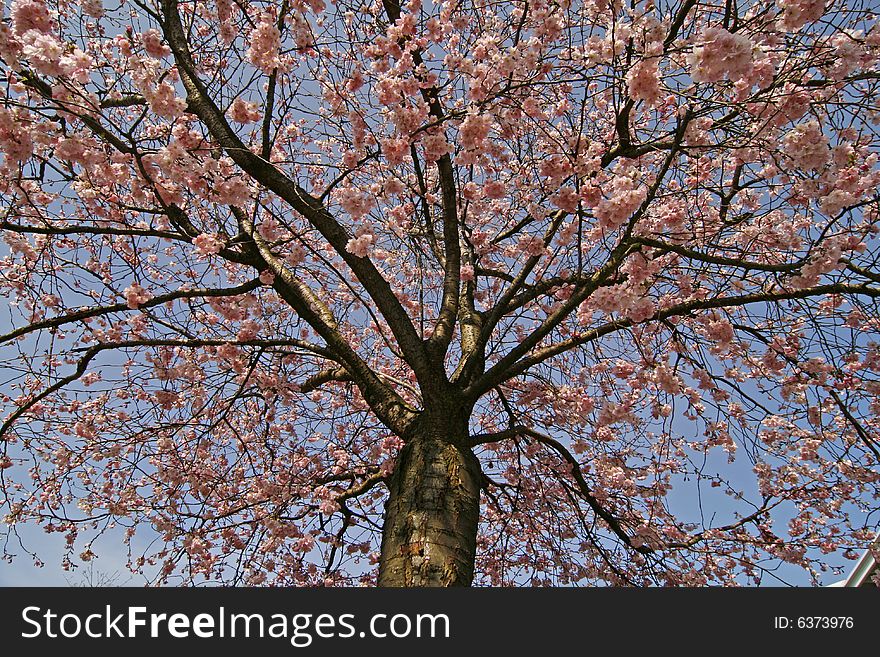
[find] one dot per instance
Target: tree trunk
(430, 533)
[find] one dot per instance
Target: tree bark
(430, 532)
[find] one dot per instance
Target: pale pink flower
(226, 10)
(166, 398)
(806, 147)
(473, 131)
(836, 200)
(393, 186)
(10, 46)
(555, 167)
(93, 8)
(208, 243)
(43, 52)
(15, 137)
(301, 31)
(30, 15)
(360, 246)
(640, 309)
(847, 55)
(135, 295)
(165, 102)
(623, 198)
(232, 190)
(249, 330)
(531, 245)
(242, 111)
(269, 229)
(77, 65)
(566, 199)
(797, 13)
(265, 44)
(152, 40)
(50, 300)
(721, 331)
(719, 55)
(435, 146)
(355, 81)
(495, 189)
(395, 150)
(644, 81)
(387, 90)
(355, 202)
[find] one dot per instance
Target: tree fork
(429, 536)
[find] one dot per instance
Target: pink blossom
(836, 200)
(77, 65)
(627, 300)
(495, 189)
(847, 55)
(555, 167)
(641, 309)
(531, 245)
(249, 330)
(232, 190)
(16, 139)
(719, 55)
(644, 81)
(165, 102)
(393, 186)
(135, 295)
(473, 131)
(267, 277)
(387, 91)
(360, 246)
(242, 111)
(226, 10)
(623, 198)
(350, 160)
(208, 244)
(269, 229)
(152, 40)
(824, 260)
(566, 199)
(395, 150)
(721, 331)
(30, 15)
(355, 81)
(10, 46)
(50, 300)
(435, 146)
(93, 8)
(43, 52)
(797, 13)
(807, 147)
(355, 202)
(265, 44)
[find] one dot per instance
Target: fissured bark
(430, 533)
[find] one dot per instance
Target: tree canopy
(527, 292)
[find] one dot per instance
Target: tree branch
(201, 104)
(498, 375)
(87, 313)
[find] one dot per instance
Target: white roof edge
(863, 569)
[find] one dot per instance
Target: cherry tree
(438, 293)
